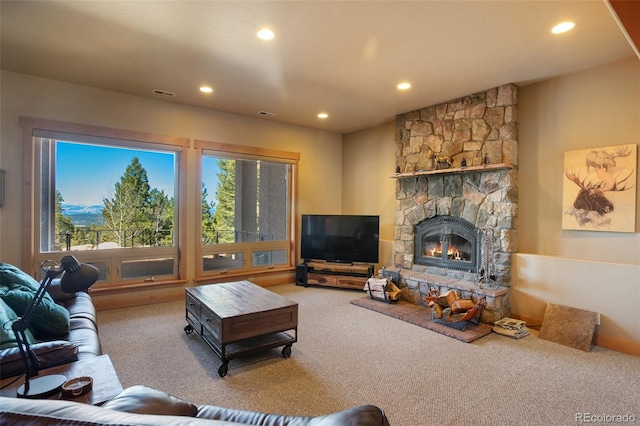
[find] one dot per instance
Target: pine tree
(208, 230)
(126, 214)
(64, 225)
(224, 217)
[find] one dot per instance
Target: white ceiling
(340, 57)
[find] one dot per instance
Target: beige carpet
(348, 356)
(421, 316)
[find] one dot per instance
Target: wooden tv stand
(329, 274)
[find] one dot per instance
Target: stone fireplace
(456, 198)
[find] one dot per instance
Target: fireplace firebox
(447, 242)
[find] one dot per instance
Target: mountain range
(74, 209)
(82, 215)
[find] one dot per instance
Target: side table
(106, 383)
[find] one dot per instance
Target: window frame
(32, 256)
(247, 248)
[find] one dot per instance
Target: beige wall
(611, 289)
(596, 271)
(369, 160)
(596, 108)
(22, 95)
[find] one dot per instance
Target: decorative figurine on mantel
(444, 162)
(431, 157)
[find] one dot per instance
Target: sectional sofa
(65, 329)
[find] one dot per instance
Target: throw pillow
(11, 276)
(17, 289)
(7, 336)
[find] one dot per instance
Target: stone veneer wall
(479, 126)
(483, 129)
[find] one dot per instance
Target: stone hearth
(459, 159)
(416, 287)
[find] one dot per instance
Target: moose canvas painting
(599, 189)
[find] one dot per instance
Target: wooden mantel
(467, 169)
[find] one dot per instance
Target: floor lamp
(77, 277)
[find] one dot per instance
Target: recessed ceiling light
(404, 86)
(563, 27)
(206, 89)
(323, 115)
(266, 34)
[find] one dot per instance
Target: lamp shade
(77, 276)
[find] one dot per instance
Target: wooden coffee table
(239, 318)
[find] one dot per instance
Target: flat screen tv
(340, 238)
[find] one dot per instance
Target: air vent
(266, 113)
(164, 93)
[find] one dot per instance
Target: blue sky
(210, 176)
(86, 174)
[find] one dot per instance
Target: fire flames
(452, 252)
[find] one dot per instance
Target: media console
(329, 274)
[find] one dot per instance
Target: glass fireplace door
(449, 243)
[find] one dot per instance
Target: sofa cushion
(44, 412)
(81, 306)
(17, 289)
(84, 334)
(356, 416)
(145, 400)
(51, 353)
(362, 415)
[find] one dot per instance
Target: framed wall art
(599, 189)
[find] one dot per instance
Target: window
(246, 208)
(117, 199)
(110, 197)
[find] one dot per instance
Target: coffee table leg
(286, 351)
(223, 369)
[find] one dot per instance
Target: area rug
(421, 316)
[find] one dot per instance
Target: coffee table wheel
(188, 329)
(286, 351)
(223, 369)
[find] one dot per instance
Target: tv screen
(340, 238)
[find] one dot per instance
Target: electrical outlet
(597, 319)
